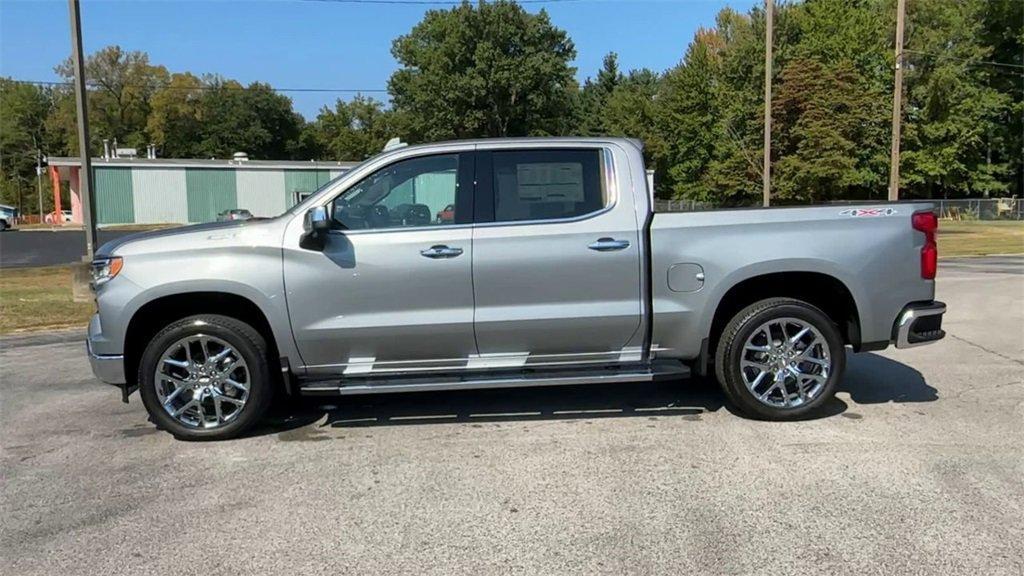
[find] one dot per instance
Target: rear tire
(780, 359)
(211, 373)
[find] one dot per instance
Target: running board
(383, 385)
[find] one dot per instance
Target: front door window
(412, 193)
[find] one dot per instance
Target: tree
(252, 119)
(175, 119)
(487, 70)
(1003, 30)
(686, 118)
(831, 139)
(122, 85)
(954, 115)
(710, 112)
(23, 110)
(354, 130)
(593, 97)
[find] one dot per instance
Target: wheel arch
(821, 289)
(153, 315)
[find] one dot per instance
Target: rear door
(556, 258)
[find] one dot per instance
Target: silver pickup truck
(502, 263)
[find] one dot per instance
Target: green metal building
(180, 191)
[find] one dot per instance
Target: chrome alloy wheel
(785, 362)
(202, 381)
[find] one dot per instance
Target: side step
(432, 382)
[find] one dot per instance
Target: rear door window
(545, 184)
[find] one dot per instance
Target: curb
(43, 338)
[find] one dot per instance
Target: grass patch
(39, 299)
(980, 238)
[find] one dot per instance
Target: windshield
(307, 202)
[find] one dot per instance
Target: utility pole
(767, 171)
(85, 173)
(897, 106)
(39, 182)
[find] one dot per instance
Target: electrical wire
(203, 87)
(428, 2)
(963, 60)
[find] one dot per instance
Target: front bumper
(108, 368)
(919, 324)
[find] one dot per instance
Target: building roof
(201, 163)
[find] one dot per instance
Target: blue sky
(303, 44)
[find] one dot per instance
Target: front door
(391, 289)
(556, 271)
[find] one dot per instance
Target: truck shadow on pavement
(870, 379)
(874, 379)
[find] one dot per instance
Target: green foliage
(22, 135)
(214, 118)
(955, 115)
(491, 69)
(123, 85)
(253, 119)
(494, 69)
(831, 137)
(592, 101)
(175, 120)
(962, 133)
(354, 130)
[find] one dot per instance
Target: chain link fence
(987, 209)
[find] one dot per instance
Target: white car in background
(64, 218)
(7, 214)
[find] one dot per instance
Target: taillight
(928, 223)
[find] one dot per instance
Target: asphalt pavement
(27, 248)
(915, 468)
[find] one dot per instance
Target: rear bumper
(919, 324)
(108, 368)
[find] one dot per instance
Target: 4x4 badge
(867, 212)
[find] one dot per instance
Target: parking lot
(24, 248)
(916, 467)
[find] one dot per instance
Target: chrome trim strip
(907, 319)
(446, 363)
(347, 232)
(499, 360)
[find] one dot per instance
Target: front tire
(780, 359)
(206, 377)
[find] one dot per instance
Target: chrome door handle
(441, 251)
(609, 244)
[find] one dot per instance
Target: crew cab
(503, 263)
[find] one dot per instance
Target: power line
(202, 87)
(963, 60)
(428, 2)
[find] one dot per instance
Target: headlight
(104, 269)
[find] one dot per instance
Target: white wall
(159, 196)
(262, 192)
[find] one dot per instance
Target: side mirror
(316, 223)
(317, 220)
